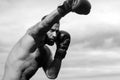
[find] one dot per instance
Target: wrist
(64, 9)
(60, 54)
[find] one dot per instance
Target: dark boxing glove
(77, 6)
(62, 41)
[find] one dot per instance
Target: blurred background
(94, 52)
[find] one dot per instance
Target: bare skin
(30, 53)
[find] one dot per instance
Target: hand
(77, 6)
(62, 42)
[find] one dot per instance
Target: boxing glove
(62, 42)
(77, 6)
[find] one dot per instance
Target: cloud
(91, 58)
(3, 50)
(4, 47)
(98, 36)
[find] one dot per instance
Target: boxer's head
(51, 34)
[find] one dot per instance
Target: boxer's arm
(27, 42)
(77, 6)
(42, 27)
(51, 67)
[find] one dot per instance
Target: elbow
(51, 75)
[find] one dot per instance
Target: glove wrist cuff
(60, 54)
(64, 9)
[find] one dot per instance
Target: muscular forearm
(78, 6)
(42, 27)
(50, 20)
(54, 68)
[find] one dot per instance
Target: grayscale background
(94, 52)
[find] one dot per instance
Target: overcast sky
(95, 37)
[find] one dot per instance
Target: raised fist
(62, 42)
(77, 6)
